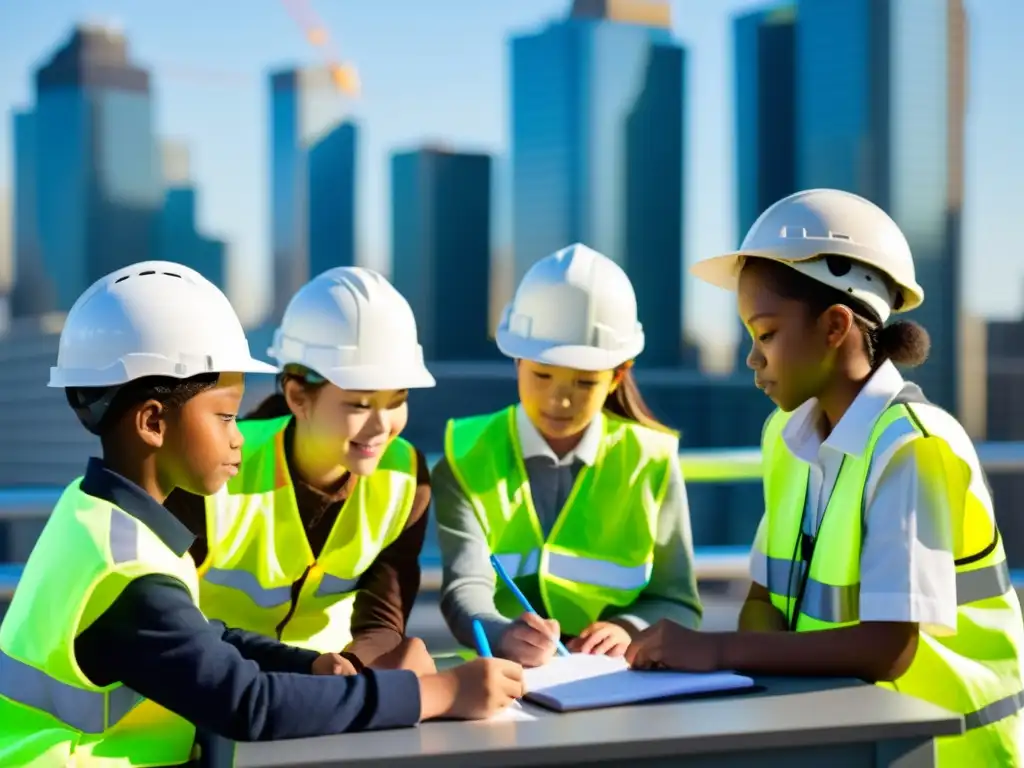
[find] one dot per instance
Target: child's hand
(667, 645)
(475, 690)
(530, 640)
(602, 638)
(332, 664)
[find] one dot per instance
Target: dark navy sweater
(228, 682)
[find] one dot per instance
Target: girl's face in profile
(792, 354)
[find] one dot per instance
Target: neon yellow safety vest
(50, 713)
(258, 547)
(976, 671)
(601, 549)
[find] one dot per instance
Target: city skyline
(896, 136)
(1000, 295)
(598, 102)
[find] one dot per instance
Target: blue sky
(436, 70)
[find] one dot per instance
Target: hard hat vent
(147, 272)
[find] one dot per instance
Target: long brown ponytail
(626, 402)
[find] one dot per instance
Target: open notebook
(583, 681)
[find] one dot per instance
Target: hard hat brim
(576, 356)
(724, 272)
(118, 374)
(366, 378)
(256, 366)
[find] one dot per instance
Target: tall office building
(597, 138)
(1003, 378)
(764, 71)
(6, 240)
(94, 163)
(6, 258)
(441, 248)
(881, 108)
(180, 239)
(764, 68)
(332, 199)
(34, 292)
(178, 235)
(305, 106)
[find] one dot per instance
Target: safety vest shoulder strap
(400, 456)
(104, 548)
(258, 432)
(463, 435)
(954, 457)
(475, 439)
(771, 433)
(662, 443)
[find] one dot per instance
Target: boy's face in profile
(199, 445)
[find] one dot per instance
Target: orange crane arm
(344, 74)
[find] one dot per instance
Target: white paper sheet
(516, 713)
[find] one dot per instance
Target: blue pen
(482, 646)
(518, 595)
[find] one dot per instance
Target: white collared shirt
(907, 564)
(533, 444)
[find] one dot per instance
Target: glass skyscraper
(597, 139)
(881, 108)
(441, 248)
(95, 163)
(181, 241)
(764, 56)
(764, 71)
(34, 293)
(305, 106)
(332, 199)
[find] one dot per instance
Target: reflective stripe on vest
(52, 713)
(258, 548)
(585, 570)
(975, 671)
(275, 597)
(840, 604)
(248, 584)
(86, 711)
(582, 567)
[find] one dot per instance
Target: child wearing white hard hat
(338, 570)
(576, 489)
(105, 655)
(878, 556)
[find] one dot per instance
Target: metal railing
(699, 466)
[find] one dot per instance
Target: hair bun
(904, 342)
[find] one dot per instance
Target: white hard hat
(573, 309)
(801, 229)
(352, 327)
(154, 318)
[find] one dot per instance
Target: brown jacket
(389, 586)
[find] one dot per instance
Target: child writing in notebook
(105, 656)
(878, 555)
(576, 489)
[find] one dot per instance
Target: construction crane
(343, 74)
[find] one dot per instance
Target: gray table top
(788, 712)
